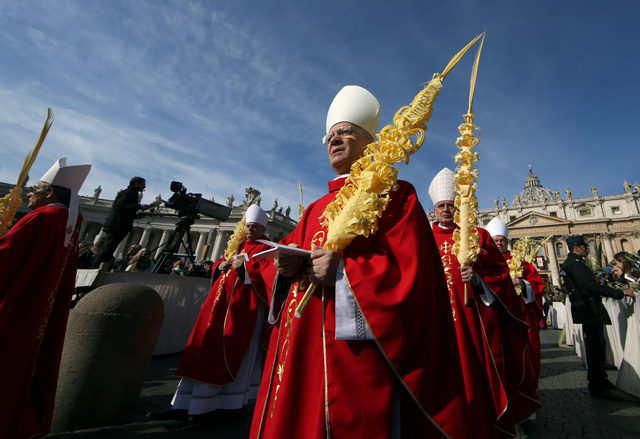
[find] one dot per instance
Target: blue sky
(222, 95)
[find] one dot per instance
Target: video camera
(190, 205)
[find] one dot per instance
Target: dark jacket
(123, 210)
(585, 292)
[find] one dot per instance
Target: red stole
(314, 385)
(222, 334)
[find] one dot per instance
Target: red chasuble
(222, 333)
(36, 284)
(533, 312)
(315, 386)
(493, 340)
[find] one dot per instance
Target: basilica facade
(609, 222)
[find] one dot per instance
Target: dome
(533, 192)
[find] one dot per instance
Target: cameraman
(586, 308)
(120, 220)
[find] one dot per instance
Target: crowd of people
(391, 337)
(139, 259)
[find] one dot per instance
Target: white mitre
(355, 105)
(70, 177)
(497, 227)
(443, 187)
(255, 214)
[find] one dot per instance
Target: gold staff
(466, 246)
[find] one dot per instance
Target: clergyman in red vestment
(39, 257)
(490, 324)
(532, 288)
(223, 360)
(374, 353)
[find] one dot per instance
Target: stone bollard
(108, 347)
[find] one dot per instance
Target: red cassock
(493, 340)
(36, 285)
(533, 312)
(315, 386)
(226, 322)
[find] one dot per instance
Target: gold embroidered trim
(52, 298)
(284, 351)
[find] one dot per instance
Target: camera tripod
(172, 246)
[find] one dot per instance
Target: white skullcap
(70, 177)
(255, 214)
(356, 105)
(442, 187)
(497, 227)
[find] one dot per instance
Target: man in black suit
(120, 220)
(585, 293)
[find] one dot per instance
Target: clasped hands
(226, 265)
(322, 265)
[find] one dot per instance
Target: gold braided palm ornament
(234, 242)
(534, 251)
(10, 203)
(466, 243)
(301, 205)
(519, 253)
(524, 250)
(365, 195)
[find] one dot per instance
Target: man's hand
(288, 265)
(145, 206)
(224, 266)
(324, 265)
(237, 263)
(468, 275)
(629, 293)
(517, 283)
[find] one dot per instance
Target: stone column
(100, 235)
(122, 247)
(165, 237)
(83, 230)
(201, 240)
(553, 263)
(219, 246)
(91, 231)
(144, 240)
(608, 248)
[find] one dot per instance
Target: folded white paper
(279, 250)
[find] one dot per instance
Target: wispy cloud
(222, 96)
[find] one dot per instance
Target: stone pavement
(567, 410)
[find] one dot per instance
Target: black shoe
(609, 385)
(608, 394)
(169, 415)
(523, 428)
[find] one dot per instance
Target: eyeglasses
(35, 189)
(341, 132)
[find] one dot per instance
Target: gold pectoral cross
(445, 247)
